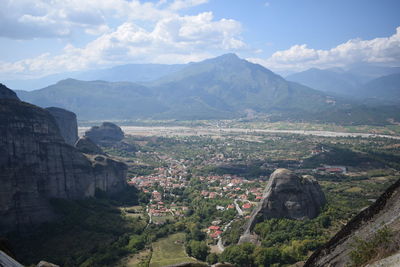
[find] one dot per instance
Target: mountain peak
(230, 57)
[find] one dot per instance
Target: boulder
(106, 134)
(66, 121)
(291, 196)
(287, 195)
(46, 264)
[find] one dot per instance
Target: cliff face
(286, 196)
(36, 165)
(385, 212)
(66, 121)
(106, 170)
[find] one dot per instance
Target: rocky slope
(36, 165)
(6, 93)
(385, 212)
(286, 196)
(66, 121)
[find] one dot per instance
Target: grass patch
(170, 250)
(354, 189)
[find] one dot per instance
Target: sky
(43, 37)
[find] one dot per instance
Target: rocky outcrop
(6, 93)
(286, 196)
(66, 121)
(36, 165)
(85, 145)
(385, 212)
(107, 173)
(106, 134)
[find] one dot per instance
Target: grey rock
(87, 146)
(384, 212)
(66, 121)
(37, 165)
(7, 261)
(106, 134)
(6, 93)
(286, 196)
(46, 264)
(107, 174)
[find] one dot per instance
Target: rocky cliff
(385, 212)
(6, 93)
(36, 165)
(106, 134)
(286, 196)
(66, 121)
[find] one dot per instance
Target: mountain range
(123, 73)
(361, 82)
(224, 87)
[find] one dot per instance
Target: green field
(170, 250)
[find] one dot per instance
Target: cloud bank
(167, 36)
(380, 51)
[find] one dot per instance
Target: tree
(241, 255)
(197, 249)
(266, 256)
(212, 258)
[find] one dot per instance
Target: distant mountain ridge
(362, 83)
(224, 87)
(122, 73)
(333, 81)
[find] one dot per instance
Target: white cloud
(175, 39)
(27, 19)
(182, 4)
(384, 51)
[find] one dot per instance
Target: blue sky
(38, 38)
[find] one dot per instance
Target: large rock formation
(36, 165)
(6, 93)
(66, 121)
(106, 134)
(85, 145)
(287, 196)
(385, 212)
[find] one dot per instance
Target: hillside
(328, 80)
(97, 99)
(385, 88)
(223, 87)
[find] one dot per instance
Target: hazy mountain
(123, 73)
(335, 81)
(370, 72)
(386, 88)
(97, 99)
(230, 84)
(218, 88)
